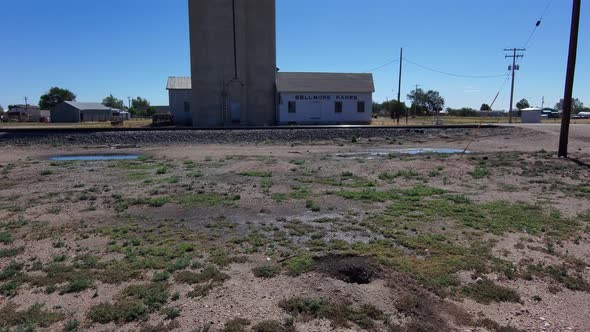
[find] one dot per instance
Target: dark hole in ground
(350, 269)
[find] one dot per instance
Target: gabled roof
(325, 82)
(88, 106)
(179, 83)
(30, 107)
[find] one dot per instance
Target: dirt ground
(347, 235)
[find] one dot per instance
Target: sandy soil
(70, 210)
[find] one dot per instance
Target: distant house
(180, 94)
(73, 112)
(24, 113)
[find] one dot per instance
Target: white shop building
(324, 98)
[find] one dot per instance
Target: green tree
(577, 106)
(113, 102)
(141, 107)
(1, 110)
(485, 107)
(55, 96)
(522, 104)
(426, 102)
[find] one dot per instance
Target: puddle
(104, 157)
(376, 153)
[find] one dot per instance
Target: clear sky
(130, 47)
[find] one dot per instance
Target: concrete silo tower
(233, 58)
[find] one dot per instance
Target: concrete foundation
(222, 96)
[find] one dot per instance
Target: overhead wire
(526, 44)
(451, 74)
(382, 66)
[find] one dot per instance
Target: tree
(426, 102)
(1, 110)
(113, 102)
(485, 107)
(141, 107)
(577, 106)
(523, 104)
(55, 96)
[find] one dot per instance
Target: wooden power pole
(569, 81)
(514, 68)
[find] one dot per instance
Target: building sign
(321, 97)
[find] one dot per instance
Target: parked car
(582, 115)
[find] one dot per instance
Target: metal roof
(179, 83)
(88, 106)
(325, 82)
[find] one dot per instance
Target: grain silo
(233, 58)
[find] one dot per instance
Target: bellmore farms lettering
(321, 97)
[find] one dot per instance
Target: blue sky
(130, 47)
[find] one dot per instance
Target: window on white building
(338, 107)
(361, 107)
(292, 107)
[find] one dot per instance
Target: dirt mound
(350, 269)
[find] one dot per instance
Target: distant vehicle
(162, 120)
(550, 113)
(582, 115)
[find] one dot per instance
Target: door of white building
(315, 111)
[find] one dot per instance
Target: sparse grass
(559, 273)
(35, 316)
(209, 273)
(299, 264)
(5, 238)
(11, 270)
(161, 276)
(297, 193)
(162, 170)
(297, 162)
(206, 199)
(340, 314)
(71, 325)
(171, 313)
(480, 172)
(313, 206)
(267, 271)
(257, 174)
(274, 326)
(9, 288)
(236, 325)
(486, 292)
(202, 290)
(46, 172)
(77, 285)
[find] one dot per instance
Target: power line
(538, 24)
(382, 66)
(451, 74)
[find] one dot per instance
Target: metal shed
(73, 112)
(180, 95)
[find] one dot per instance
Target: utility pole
(399, 87)
(514, 68)
(416, 100)
(569, 81)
